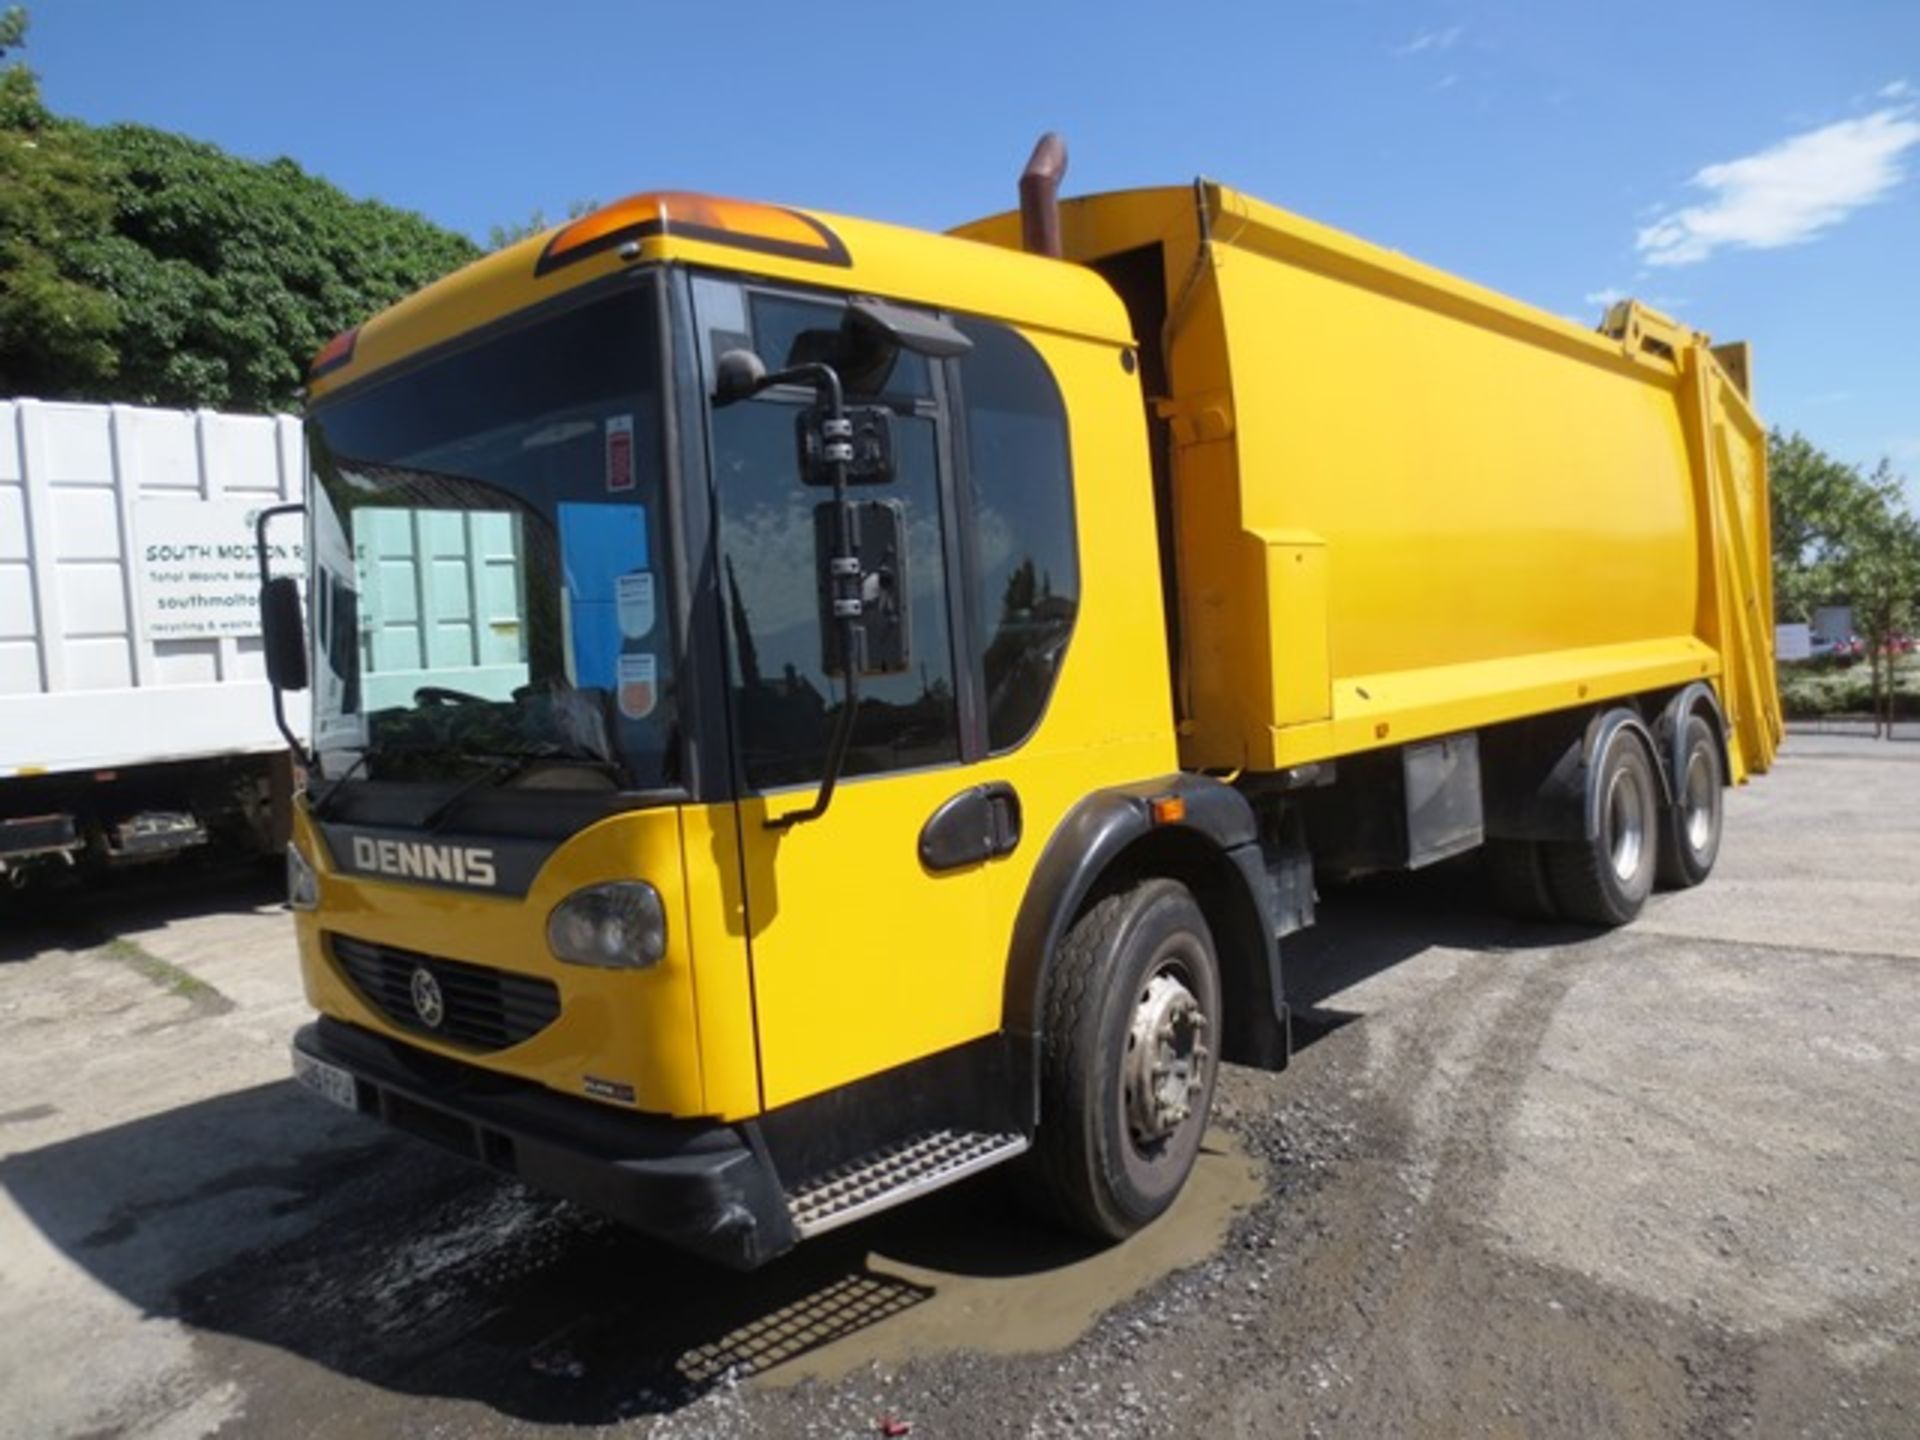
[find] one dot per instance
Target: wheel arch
(1600, 735)
(1541, 779)
(1110, 841)
(1670, 728)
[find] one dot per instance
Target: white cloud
(1447, 82)
(1787, 193)
(1898, 90)
(1606, 297)
(1432, 40)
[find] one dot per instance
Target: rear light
(743, 224)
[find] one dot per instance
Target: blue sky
(1752, 167)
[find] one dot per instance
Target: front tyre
(1128, 1059)
(1692, 840)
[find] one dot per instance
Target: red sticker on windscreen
(637, 684)
(620, 452)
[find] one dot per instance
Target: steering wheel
(441, 695)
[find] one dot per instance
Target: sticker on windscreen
(619, 452)
(638, 687)
(633, 601)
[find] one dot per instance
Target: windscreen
(490, 582)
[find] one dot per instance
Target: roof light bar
(743, 224)
(336, 352)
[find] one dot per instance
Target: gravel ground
(1520, 1180)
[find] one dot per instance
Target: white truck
(135, 719)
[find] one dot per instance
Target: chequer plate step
(895, 1174)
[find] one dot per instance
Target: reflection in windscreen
(444, 597)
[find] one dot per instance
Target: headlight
(303, 885)
(620, 925)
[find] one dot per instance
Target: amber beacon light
(743, 224)
(336, 352)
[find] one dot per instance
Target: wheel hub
(1166, 1058)
(1626, 824)
(1700, 797)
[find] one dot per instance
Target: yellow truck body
(1408, 506)
(1331, 562)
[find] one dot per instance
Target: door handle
(981, 823)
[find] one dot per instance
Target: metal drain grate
(895, 1175)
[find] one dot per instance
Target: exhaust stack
(1040, 196)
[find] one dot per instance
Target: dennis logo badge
(428, 1003)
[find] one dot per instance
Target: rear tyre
(1127, 1060)
(1518, 873)
(1691, 842)
(1605, 880)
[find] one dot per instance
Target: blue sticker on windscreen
(600, 546)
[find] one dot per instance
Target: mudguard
(1095, 836)
(1671, 730)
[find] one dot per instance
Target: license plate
(329, 1082)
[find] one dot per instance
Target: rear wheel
(1128, 1059)
(1692, 839)
(1605, 879)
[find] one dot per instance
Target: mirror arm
(845, 588)
(266, 516)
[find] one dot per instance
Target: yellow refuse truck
(926, 676)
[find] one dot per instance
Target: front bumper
(707, 1188)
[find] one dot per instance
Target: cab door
(863, 957)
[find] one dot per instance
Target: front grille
(485, 1009)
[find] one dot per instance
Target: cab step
(895, 1174)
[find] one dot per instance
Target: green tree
(1841, 537)
(144, 266)
(1878, 570)
(54, 324)
(232, 274)
(1816, 502)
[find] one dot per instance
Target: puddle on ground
(1017, 1288)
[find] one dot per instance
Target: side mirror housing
(881, 633)
(283, 633)
(738, 375)
(908, 329)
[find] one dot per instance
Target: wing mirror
(877, 540)
(283, 633)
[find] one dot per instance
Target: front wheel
(1128, 1059)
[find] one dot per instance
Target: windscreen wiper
(333, 787)
(500, 768)
(321, 800)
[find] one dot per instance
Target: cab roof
(770, 241)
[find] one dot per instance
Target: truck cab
(599, 878)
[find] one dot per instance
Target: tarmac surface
(1520, 1180)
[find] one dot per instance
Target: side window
(784, 701)
(1028, 586)
(788, 330)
